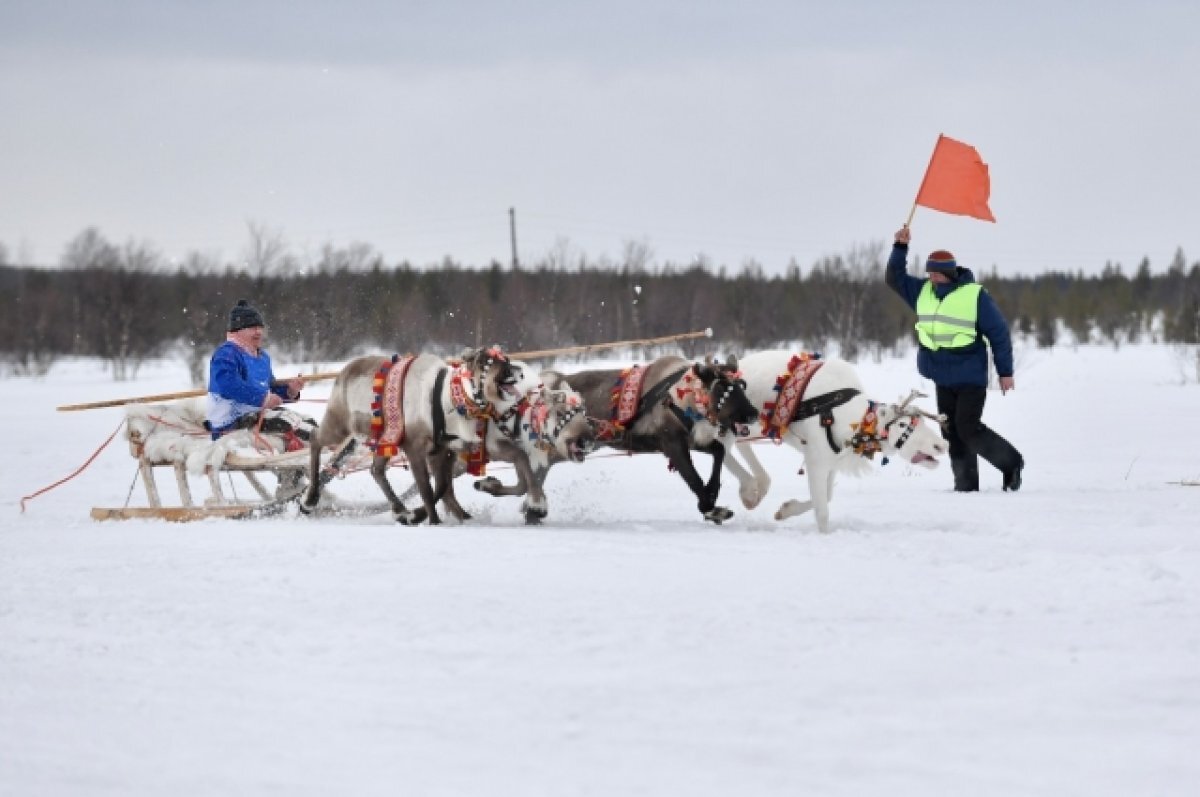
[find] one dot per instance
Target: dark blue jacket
(955, 367)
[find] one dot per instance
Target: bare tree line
(125, 305)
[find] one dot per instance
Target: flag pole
(933, 155)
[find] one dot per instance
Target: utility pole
(512, 230)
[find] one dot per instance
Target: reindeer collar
(468, 403)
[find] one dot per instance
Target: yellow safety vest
(948, 323)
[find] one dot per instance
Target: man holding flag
(954, 317)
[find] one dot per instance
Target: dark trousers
(272, 424)
(970, 439)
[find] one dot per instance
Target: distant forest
(126, 305)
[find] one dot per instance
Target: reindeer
(543, 428)
(832, 423)
(682, 407)
(441, 406)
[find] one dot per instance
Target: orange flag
(956, 181)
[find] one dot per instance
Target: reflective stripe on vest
(948, 323)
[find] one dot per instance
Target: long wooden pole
(326, 375)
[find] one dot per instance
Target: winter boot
(966, 474)
(1012, 477)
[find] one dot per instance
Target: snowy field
(1039, 643)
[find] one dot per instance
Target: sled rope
(80, 470)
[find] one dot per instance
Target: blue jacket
(238, 383)
(955, 367)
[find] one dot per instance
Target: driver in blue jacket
(241, 383)
(954, 317)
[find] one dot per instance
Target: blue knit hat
(243, 316)
(942, 261)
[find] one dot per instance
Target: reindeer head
(905, 435)
(566, 424)
(728, 406)
(493, 375)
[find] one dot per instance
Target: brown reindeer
(680, 407)
(440, 406)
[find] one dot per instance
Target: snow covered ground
(1039, 643)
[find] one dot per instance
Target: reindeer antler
(916, 394)
(939, 417)
(913, 394)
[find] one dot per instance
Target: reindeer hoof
(308, 504)
(750, 498)
(488, 485)
(791, 508)
(409, 517)
(534, 516)
(718, 515)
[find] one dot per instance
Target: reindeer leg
(496, 488)
(677, 451)
(747, 486)
(420, 470)
(400, 512)
(319, 477)
(762, 479)
(312, 496)
(824, 484)
(712, 487)
(539, 481)
(820, 480)
(534, 506)
(443, 484)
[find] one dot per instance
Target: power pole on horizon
(512, 231)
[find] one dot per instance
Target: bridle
(868, 439)
(710, 400)
(733, 382)
(475, 405)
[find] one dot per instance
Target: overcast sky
(763, 130)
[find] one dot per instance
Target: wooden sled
(288, 469)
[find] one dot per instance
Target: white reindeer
(543, 428)
(835, 426)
